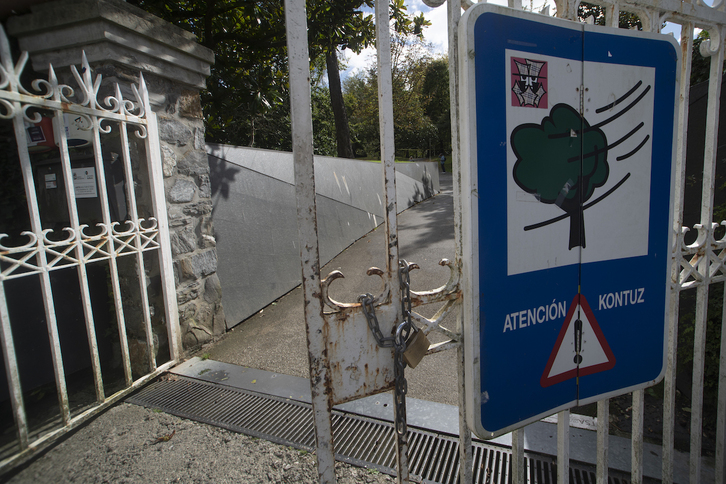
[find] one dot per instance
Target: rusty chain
(369, 311)
(403, 333)
(398, 342)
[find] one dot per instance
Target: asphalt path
(274, 339)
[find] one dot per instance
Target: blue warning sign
(567, 162)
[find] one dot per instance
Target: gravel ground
(130, 444)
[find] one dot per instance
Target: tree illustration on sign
(561, 161)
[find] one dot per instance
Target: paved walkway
(274, 339)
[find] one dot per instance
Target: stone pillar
(120, 41)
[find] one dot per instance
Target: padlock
(416, 347)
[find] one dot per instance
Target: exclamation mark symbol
(578, 341)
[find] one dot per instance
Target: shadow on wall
(424, 191)
(222, 176)
(255, 216)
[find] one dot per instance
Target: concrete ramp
(255, 221)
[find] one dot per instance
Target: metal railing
(696, 266)
(90, 207)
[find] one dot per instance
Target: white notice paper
(84, 182)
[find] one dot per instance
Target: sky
(437, 33)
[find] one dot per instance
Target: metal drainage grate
(361, 441)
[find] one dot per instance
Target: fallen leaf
(165, 438)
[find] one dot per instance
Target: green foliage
(626, 20)
(247, 99)
(435, 98)
(414, 108)
(248, 80)
(339, 25)
(686, 333)
(362, 106)
(323, 125)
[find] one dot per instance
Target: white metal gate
(96, 240)
(127, 236)
(696, 266)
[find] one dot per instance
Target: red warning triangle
(580, 329)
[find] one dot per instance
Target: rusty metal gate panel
(696, 265)
(351, 345)
(91, 172)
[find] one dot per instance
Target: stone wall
(188, 192)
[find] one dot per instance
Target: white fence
(696, 266)
(91, 176)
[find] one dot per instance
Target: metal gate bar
(302, 145)
(78, 245)
(697, 265)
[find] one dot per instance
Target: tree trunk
(342, 132)
(577, 229)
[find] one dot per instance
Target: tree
(626, 20)
(342, 128)
(248, 80)
(544, 167)
(341, 25)
(324, 133)
(248, 83)
(362, 104)
(435, 98)
(413, 128)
